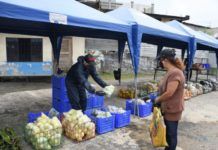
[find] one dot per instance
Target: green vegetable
(9, 139)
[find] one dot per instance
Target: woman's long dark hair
(177, 63)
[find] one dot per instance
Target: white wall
(2, 48)
(47, 48)
(212, 60)
(78, 48)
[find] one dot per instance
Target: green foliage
(9, 140)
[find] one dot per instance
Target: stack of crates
(94, 101)
(60, 99)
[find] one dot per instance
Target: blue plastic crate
(141, 110)
(94, 101)
(88, 112)
(206, 66)
(61, 106)
(58, 82)
(98, 102)
(59, 94)
(33, 116)
(89, 103)
(129, 105)
(90, 100)
(122, 120)
(103, 125)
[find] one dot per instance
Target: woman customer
(171, 91)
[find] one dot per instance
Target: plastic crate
(90, 100)
(58, 83)
(59, 94)
(103, 125)
(141, 110)
(129, 105)
(98, 102)
(33, 116)
(206, 66)
(122, 120)
(94, 101)
(61, 106)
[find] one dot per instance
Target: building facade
(24, 55)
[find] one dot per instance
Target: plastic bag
(53, 113)
(157, 129)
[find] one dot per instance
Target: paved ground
(197, 130)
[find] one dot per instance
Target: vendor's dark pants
(76, 95)
(171, 134)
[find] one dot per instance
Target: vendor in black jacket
(77, 81)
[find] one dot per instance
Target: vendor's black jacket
(78, 75)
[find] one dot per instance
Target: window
(24, 49)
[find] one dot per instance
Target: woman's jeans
(171, 134)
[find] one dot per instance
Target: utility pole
(132, 4)
(109, 4)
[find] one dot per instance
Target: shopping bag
(157, 129)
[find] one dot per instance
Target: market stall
(55, 19)
(149, 30)
(200, 41)
(70, 18)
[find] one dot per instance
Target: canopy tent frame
(199, 41)
(33, 18)
(149, 31)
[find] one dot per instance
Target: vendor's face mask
(161, 63)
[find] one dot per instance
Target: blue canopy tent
(215, 41)
(201, 41)
(55, 18)
(149, 30)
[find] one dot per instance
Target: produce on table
(143, 90)
(116, 110)
(142, 93)
(126, 93)
(9, 140)
(78, 126)
(150, 87)
(109, 90)
(44, 133)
